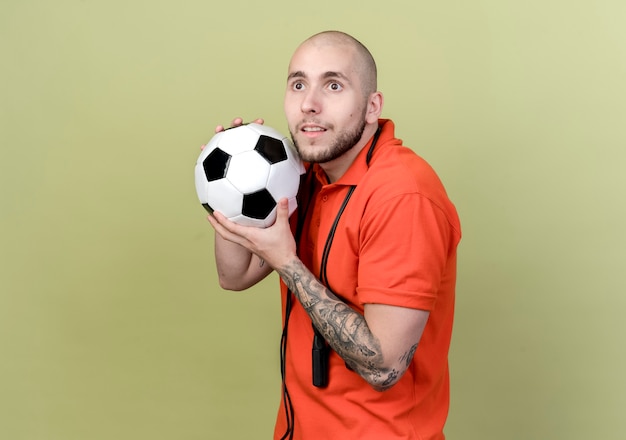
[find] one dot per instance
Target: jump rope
(321, 350)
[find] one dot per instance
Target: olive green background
(112, 325)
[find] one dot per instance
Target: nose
(311, 102)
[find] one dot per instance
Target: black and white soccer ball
(243, 171)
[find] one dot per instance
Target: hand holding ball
(243, 172)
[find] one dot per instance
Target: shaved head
(331, 100)
(364, 64)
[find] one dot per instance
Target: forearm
(346, 330)
(237, 267)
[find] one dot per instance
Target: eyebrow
(325, 75)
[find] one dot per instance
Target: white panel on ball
(248, 171)
(222, 196)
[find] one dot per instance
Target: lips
(311, 127)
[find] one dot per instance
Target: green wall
(112, 325)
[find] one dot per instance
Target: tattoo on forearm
(407, 357)
(343, 328)
(308, 300)
(393, 375)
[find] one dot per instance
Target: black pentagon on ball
(216, 164)
(272, 149)
(258, 205)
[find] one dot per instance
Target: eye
(335, 86)
(297, 86)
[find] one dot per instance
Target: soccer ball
(243, 171)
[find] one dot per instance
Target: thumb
(282, 210)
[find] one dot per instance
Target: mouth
(312, 129)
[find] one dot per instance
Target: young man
(367, 265)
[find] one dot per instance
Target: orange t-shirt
(395, 244)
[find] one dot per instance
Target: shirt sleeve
(403, 253)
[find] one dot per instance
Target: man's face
(324, 103)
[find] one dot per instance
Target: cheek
(287, 100)
(290, 105)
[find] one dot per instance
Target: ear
(374, 107)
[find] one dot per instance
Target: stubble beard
(344, 142)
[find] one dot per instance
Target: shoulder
(400, 181)
(397, 169)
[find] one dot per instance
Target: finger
(228, 227)
(236, 122)
(231, 228)
(213, 221)
(218, 222)
(282, 210)
(219, 218)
